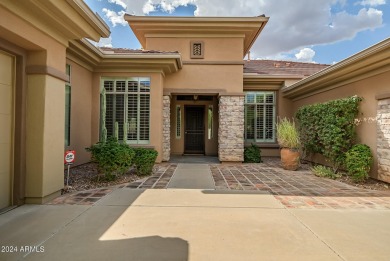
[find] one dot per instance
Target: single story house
(188, 91)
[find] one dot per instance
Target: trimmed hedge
(113, 158)
(144, 160)
(358, 162)
(252, 154)
(329, 128)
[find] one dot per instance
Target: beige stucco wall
(42, 101)
(45, 137)
(156, 101)
(215, 49)
(220, 69)
(81, 112)
(367, 88)
(227, 78)
(177, 144)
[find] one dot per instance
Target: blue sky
(322, 31)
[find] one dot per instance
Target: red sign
(69, 157)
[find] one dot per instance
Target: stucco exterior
(38, 39)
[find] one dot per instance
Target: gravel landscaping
(85, 177)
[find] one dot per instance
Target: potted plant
(288, 139)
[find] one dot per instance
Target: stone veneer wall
(166, 128)
(383, 139)
(231, 128)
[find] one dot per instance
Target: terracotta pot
(290, 158)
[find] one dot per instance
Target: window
(67, 106)
(210, 122)
(260, 116)
(197, 50)
(178, 121)
(127, 106)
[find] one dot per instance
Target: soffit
(62, 20)
(94, 59)
(277, 81)
(148, 26)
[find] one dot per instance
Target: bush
(358, 162)
(144, 160)
(252, 154)
(112, 157)
(325, 172)
(287, 134)
(329, 128)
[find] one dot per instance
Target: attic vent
(197, 50)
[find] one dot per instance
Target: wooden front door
(194, 130)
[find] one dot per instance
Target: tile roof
(132, 51)
(271, 67)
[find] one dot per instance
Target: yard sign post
(69, 158)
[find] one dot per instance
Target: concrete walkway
(175, 224)
(192, 176)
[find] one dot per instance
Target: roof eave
(247, 27)
(95, 58)
(365, 61)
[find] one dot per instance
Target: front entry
(194, 130)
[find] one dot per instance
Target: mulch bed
(370, 183)
(84, 177)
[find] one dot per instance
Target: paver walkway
(294, 189)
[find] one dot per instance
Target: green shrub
(325, 172)
(287, 133)
(112, 157)
(144, 160)
(358, 162)
(329, 128)
(252, 154)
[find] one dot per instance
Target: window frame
(178, 121)
(210, 119)
(256, 104)
(68, 105)
(125, 94)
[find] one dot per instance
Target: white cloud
(115, 17)
(103, 42)
(372, 2)
(305, 55)
(118, 2)
(148, 7)
(292, 26)
(142, 7)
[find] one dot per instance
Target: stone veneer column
(231, 128)
(166, 128)
(383, 139)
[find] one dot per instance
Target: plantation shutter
(128, 105)
(260, 116)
